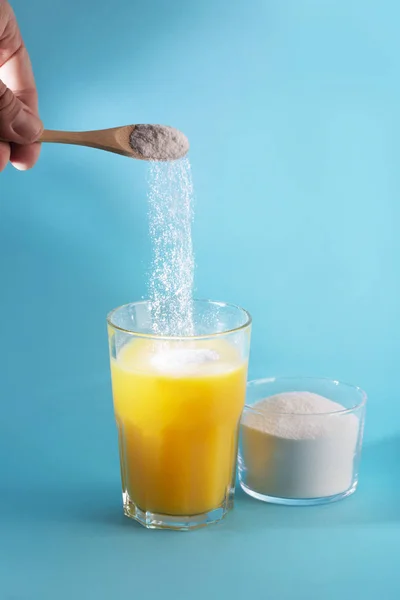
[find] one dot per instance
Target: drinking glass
(178, 402)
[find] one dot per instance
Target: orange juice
(177, 410)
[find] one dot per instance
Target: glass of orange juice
(178, 402)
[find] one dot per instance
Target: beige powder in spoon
(158, 142)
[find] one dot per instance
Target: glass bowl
(296, 447)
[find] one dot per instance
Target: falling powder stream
(172, 271)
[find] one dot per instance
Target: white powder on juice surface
(183, 361)
(291, 447)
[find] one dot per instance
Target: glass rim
(155, 336)
(354, 388)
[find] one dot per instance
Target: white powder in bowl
(291, 447)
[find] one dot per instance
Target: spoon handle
(113, 140)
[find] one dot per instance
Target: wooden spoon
(143, 142)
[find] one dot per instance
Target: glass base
(152, 520)
(299, 501)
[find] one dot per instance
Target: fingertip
(24, 158)
(20, 166)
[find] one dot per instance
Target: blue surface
(292, 109)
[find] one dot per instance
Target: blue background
(292, 110)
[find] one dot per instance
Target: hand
(20, 125)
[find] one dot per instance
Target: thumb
(17, 123)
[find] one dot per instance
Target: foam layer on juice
(179, 359)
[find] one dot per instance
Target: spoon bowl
(143, 142)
